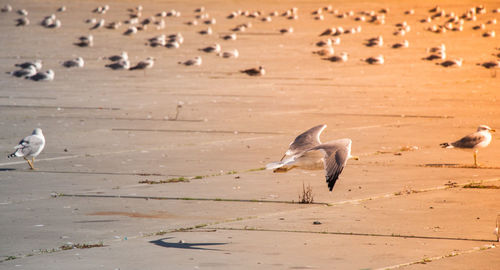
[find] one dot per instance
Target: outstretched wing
(336, 154)
(306, 140)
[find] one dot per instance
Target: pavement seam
(435, 258)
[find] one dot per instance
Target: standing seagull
(196, 61)
(260, 71)
(37, 64)
(480, 139)
(77, 62)
(30, 146)
(144, 64)
(303, 153)
(43, 76)
(25, 72)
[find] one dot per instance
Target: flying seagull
(30, 146)
(307, 152)
(480, 139)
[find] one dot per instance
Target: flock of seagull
(306, 151)
(442, 20)
(303, 151)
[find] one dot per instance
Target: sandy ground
(108, 130)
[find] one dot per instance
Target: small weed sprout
(307, 194)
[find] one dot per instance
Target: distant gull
(61, 9)
(120, 65)
(101, 9)
(490, 33)
(23, 21)
(48, 20)
(491, 64)
(77, 62)
(176, 37)
(30, 146)
(192, 62)
(480, 139)
(160, 40)
(229, 54)
(376, 41)
(213, 48)
(452, 63)
(211, 21)
(43, 76)
(85, 41)
(130, 31)
(439, 49)
(438, 55)
(99, 24)
(192, 22)
(24, 72)
(37, 64)
(55, 24)
(123, 56)
(404, 44)
(22, 12)
(260, 71)
(172, 45)
(376, 60)
(343, 57)
(328, 51)
(229, 37)
(144, 64)
(307, 152)
(322, 43)
(286, 30)
(114, 25)
(7, 8)
(208, 31)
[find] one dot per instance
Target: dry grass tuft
(307, 194)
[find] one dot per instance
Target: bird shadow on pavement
(185, 245)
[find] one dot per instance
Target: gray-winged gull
(121, 57)
(307, 152)
(123, 64)
(30, 146)
(147, 63)
(479, 139)
(43, 76)
(77, 62)
(229, 54)
(24, 72)
(37, 64)
(213, 48)
(196, 61)
(375, 60)
(260, 71)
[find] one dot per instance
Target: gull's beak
(492, 130)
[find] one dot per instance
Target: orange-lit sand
(108, 130)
